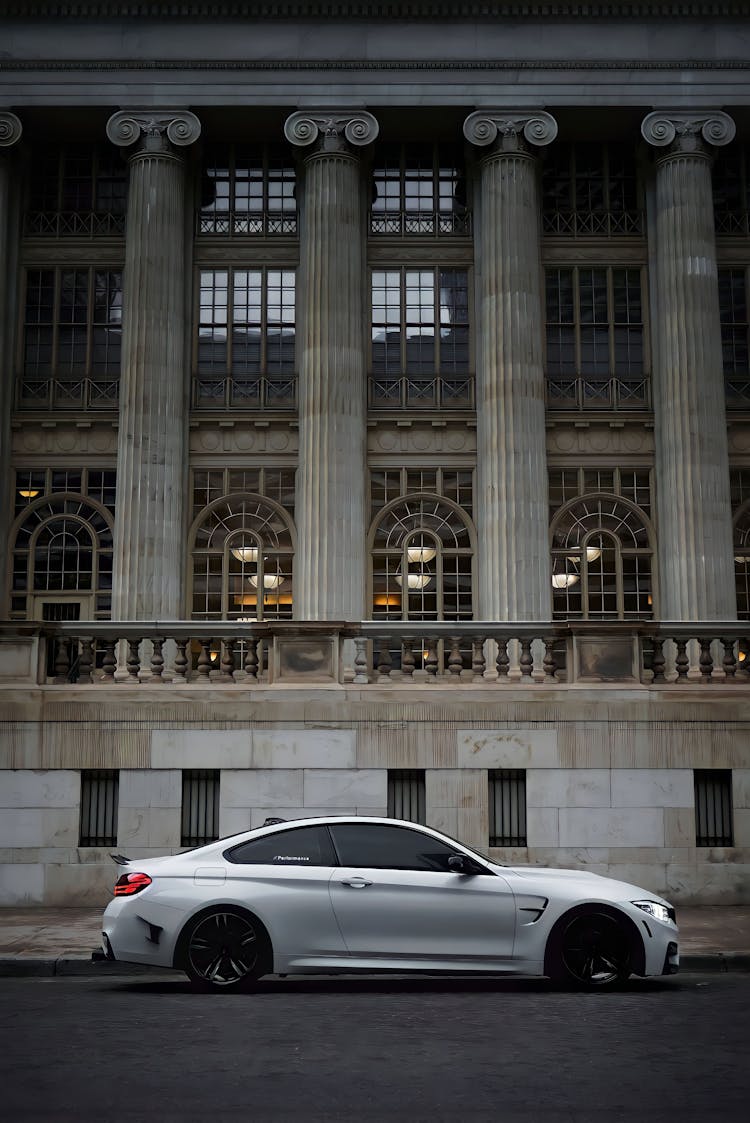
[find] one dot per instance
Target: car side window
(303, 846)
(377, 846)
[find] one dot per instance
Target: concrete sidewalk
(44, 941)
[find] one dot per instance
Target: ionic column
(692, 467)
(329, 574)
(10, 133)
(149, 539)
(512, 505)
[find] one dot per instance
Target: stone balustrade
(391, 654)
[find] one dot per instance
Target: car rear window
(303, 846)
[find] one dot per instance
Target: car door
(283, 878)
(397, 900)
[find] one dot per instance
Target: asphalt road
(144, 1048)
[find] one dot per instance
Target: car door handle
(356, 882)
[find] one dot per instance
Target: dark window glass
(373, 846)
(305, 846)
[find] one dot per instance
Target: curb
(82, 966)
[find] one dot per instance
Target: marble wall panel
(39, 826)
(365, 788)
(201, 748)
(261, 787)
(507, 748)
(22, 884)
(568, 787)
(592, 826)
(54, 788)
(303, 748)
(158, 827)
(652, 787)
(154, 787)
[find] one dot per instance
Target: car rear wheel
(592, 951)
(224, 950)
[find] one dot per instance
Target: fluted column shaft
(329, 575)
(512, 500)
(10, 133)
(693, 506)
(149, 540)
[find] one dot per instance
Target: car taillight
(130, 883)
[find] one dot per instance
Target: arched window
(62, 552)
(242, 547)
(422, 561)
(742, 560)
(602, 552)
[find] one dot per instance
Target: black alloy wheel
(594, 951)
(224, 951)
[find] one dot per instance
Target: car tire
(224, 949)
(590, 949)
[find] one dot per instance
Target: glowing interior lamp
(245, 553)
(742, 656)
(270, 580)
(421, 553)
(742, 559)
(564, 580)
(414, 580)
(28, 493)
(592, 553)
(247, 619)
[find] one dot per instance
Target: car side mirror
(458, 864)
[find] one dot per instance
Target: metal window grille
(99, 798)
(507, 805)
(200, 806)
(406, 794)
(713, 807)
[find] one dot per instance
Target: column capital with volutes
(509, 130)
(153, 130)
(10, 129)
(327, 130)
(687, 132)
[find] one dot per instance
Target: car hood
(585, 881)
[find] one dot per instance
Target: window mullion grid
(437, 312)
(611, 317)
(57, 296)
(403, 325)
(577, 321)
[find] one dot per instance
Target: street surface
(146, 1047)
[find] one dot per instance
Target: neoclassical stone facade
(376, 432)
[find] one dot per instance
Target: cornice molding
(279, 65)
(370, 9)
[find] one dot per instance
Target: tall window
(713, 807)
(590, 190)
(78, 190)
(248, 190)
(734, 337)
(420, 338)
(601, 561)
(62, 552)
(731, 185)
(742, 560)
(419, 189)
(507, 806)
(242, 551)
(595, 339)
(245, 347)
(200, 806)
(71, 339)
(99, 800)
(422, 556)
(406, 794)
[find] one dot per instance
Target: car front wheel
(591, 951)
(224, 950)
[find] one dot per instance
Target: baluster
(227, 660)
(478, 661)
(526, 661)
(431, 662)
(133, 661)
(455, 662)
(62, 661)
(360, 660)
(109, 662)
(204, 662)
(86, 661)
(385, 663)
(682, 663)
(729, 662)
(502, 662)
(408, 660)
(157, 661)
(705, 661)
(180, 660)
(549, 662)
(658, 661)
(251, 658)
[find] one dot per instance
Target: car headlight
(653, 908)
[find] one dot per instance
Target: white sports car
(353, 894)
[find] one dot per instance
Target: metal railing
(610, 393)
(77, 224)
(253, 392)
(493, 654)
(592, 224)
(407, 224)
(239, 224)
(409, 392)
(63, 393)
